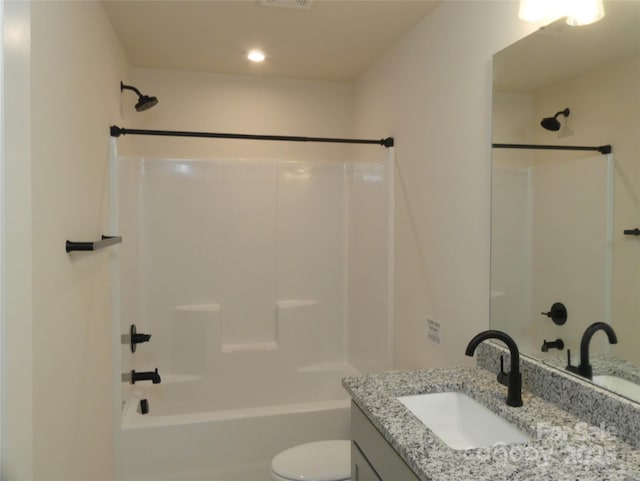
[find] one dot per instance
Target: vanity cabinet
(372, 457)
(361, 470)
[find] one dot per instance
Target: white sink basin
(619, 385)
(461, 422)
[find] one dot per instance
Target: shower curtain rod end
(605, 149)
(116, 131)
(388, 142)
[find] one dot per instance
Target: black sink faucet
(513, 379)
(584, 369)
(152, 376)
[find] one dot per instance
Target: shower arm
(130, 87)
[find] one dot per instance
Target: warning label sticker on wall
(433, 331)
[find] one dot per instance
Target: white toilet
(318, 461)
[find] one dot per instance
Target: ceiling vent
(297, 4)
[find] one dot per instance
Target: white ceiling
(332, 40)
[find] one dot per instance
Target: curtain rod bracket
(605, 149)
(115, 131)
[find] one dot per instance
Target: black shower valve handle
(136, 338)
(557, 313)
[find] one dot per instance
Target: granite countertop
(563, 448)
(602, 364)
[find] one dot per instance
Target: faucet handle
(503, 377)
(557, 313)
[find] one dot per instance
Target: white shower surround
(288, 290)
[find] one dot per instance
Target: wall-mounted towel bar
(106, 241)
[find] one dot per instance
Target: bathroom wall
(432, 92)
(58, 329)
(242, 104)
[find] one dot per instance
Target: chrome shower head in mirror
(145, 102)
(552, 123)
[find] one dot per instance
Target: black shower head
(144, 101)
(552, 123)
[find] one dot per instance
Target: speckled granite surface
(562, 448)
(571, 393)
(602, 364)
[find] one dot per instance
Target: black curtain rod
(603, 149)
(118, 131)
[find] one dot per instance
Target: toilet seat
(317, 461)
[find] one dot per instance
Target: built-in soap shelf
(295, 303)
(199, 307)
(250, 346)
(204, 322)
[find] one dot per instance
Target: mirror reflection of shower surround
(552, 123)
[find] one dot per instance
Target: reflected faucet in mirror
(513, 379)
(584, 368)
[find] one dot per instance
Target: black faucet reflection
(584, 368)
(152, 376)
(513, 379)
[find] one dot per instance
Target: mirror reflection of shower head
(552, 123)
(144, 101)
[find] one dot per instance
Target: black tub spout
(152, 376)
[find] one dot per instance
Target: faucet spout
(514, 378)
(585, 369)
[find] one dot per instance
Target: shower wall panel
(231, 256)
(311, 254)
(370, 244)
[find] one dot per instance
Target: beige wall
(76, 66)
(432, 92)
(241, 104)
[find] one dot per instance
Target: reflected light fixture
(256, 56)
(578, 12)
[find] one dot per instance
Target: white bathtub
(180, 442)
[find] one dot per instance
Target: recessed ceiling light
(256, 56)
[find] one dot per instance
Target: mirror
(559, 216)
